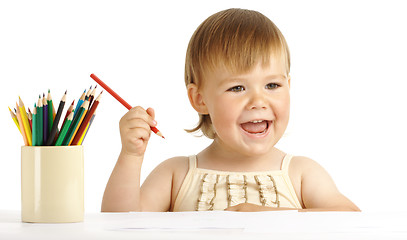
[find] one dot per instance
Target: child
(237, 78)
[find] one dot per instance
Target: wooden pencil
(85, 122)
(75, 123)
(40, 122)
(54, 128)
(14, 117)
(121, 100)
(92, 96)
(34, 126)
(86, 130)
(26, 124)
(79, 104)
(50, 114)
(30, 119)
(64, 130)
(88, 93)
(45, 119)
(20, 121)
(70, 109)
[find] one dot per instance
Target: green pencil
(75, 123)
(34, 126)
(50, 111)
(40, 120)
(64, 130)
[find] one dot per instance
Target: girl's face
(250, 111)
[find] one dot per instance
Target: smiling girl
(237, 78)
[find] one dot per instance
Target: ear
(195, 98)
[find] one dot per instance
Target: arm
(319, 192)
(122, 191)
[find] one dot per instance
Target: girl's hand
(249, 207)
(135, 130)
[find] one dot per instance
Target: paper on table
(189, 220)
(331, 222)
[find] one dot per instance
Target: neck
(217, 156)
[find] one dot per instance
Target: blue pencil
(80, 102)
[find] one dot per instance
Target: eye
(236, 89)
(272, 86)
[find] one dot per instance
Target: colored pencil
(14, 117)
(87, 95)
(34, 126)
(85, 122)
(54, 128)
(64, 130)
(79, 104)
(75, 124)
(26, 124)
(40, 124)
(86, 130)
(20, 122)
(92, 96)
(50, 111)
(30, 119)
(70, 109)
(121, 100)
(45, 119)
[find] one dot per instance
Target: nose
(257, 101)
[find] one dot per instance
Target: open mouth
(256, 126)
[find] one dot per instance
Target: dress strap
(286, 162)
(192, 162)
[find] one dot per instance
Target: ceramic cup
(52, 184)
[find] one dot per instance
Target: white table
(213, 225)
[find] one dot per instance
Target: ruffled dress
(206, 190)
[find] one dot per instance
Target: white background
(347, 89)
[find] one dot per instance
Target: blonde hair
(236, 39)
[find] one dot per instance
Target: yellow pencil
(26, 124)
(20, 122)
(14, 117)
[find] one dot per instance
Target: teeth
(257, 121)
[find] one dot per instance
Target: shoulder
(302, 165)
(170, 168)
(178, 168)
(175, 163)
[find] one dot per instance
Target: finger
(139, 112)
(150, 111)
(137, 123)
(140, 133)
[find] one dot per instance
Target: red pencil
(121, 100)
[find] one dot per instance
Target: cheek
(223, 114)
(283, 109)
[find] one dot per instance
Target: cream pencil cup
(52, 187)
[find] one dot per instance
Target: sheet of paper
(186, 220)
